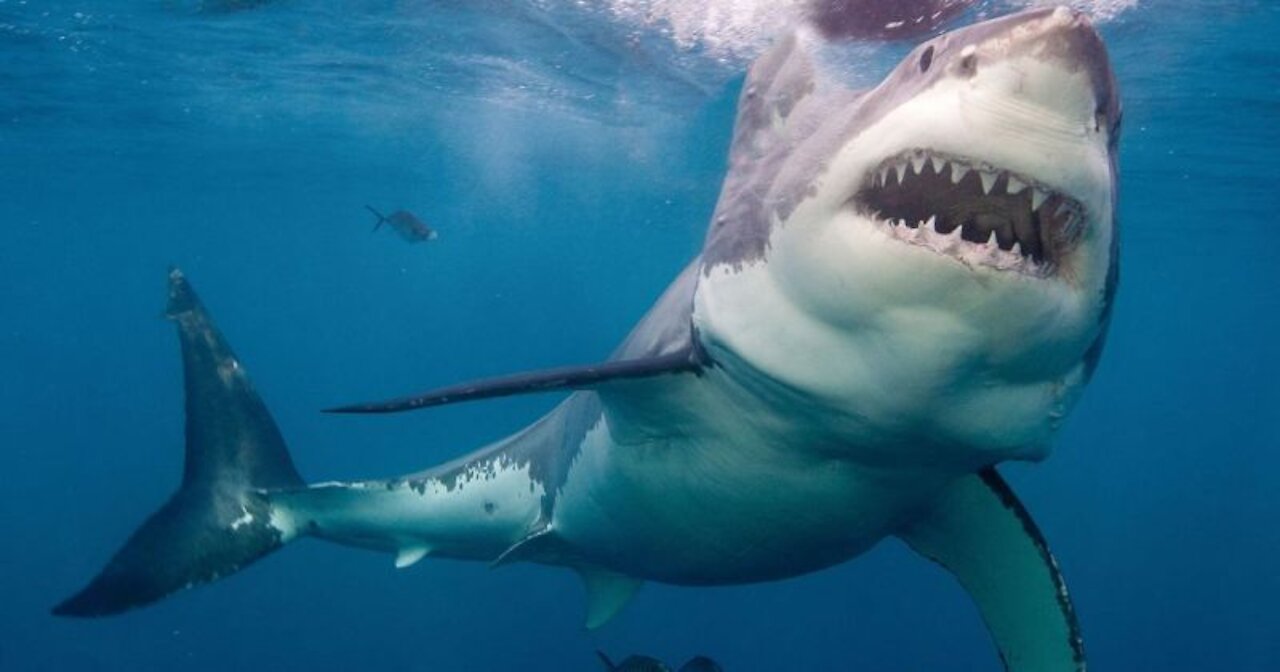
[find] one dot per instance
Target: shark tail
(219, 520)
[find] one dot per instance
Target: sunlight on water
(623, 59)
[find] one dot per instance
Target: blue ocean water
(570, 155)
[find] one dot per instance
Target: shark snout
(1072, 38)
(1066, 39)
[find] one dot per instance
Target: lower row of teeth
(988, 253)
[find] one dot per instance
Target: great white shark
(901, 288)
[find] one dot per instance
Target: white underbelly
(730, 509)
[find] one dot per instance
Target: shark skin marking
(853, 380)
(474, 517)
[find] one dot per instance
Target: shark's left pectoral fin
(980, 532)
(688, 359)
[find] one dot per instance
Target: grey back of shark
(900, 288)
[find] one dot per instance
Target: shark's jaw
(972, 211)
(1003, 160)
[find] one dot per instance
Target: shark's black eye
(926, 59)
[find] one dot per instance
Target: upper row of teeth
(958, 172)
(1072, 218)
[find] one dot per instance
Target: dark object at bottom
(701, 664)
(648, 664)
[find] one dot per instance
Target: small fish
(405, 223)
(647, 664)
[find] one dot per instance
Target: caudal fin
(377, 214)
(216, 523)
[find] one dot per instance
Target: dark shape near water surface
(229, 6)
(882, 19)
(809, 417)
(404, 223)
(649, 664)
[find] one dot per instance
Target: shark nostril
(926, 59)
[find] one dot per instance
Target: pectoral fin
(687, 360)
(410, 555)
(980, 532)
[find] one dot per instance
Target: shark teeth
(1038, 198)
(925, 235)
(995, 218)
(988, 181)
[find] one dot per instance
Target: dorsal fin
(772, 112)
(688, 359)
(775, 84)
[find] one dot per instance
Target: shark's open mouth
(975, 212)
